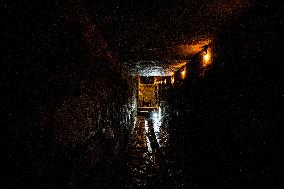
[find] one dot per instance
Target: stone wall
(69, 104)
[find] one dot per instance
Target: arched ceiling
(162, 30)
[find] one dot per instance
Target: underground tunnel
(142, 94)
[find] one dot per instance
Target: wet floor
(149, 138)
(150, 162)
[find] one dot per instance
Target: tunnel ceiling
(161, 31)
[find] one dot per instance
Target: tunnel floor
(148, 141)
(151, 159)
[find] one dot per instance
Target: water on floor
(149, 161)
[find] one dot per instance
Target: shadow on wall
(228, 122)
(69, 104)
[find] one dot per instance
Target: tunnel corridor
(146, 94)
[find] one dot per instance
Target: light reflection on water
(149, 138)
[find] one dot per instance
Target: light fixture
(206, 57)
(183, 73)
(155, 115)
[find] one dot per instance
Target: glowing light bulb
(183, 73)
(155, 115)
(206, 57)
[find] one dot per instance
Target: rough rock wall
(228, 121)
(68, 103)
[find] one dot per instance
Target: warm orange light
(192, 47)
(206, 57)
(183, 73)
(172, 79)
